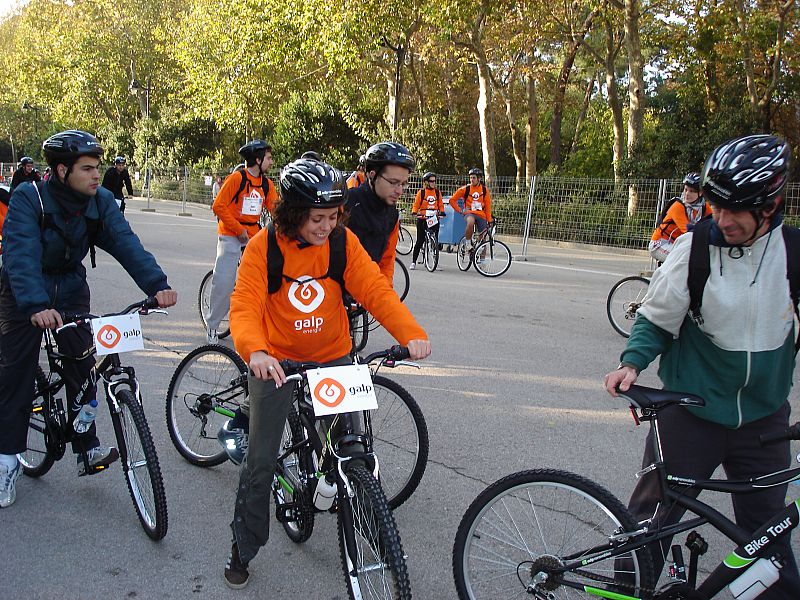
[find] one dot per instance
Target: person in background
(116, 178)
(217, 185)
(477, 200)
(681, 215)
(25, 172)
(427, 204)
(358, 176)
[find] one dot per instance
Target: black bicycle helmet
(310, 154)
(25, 160)
(254, 149)
(475, 171)
(747, 173)
(428, 175)
(120, 160)
(68, 146)
(362, 160)
(388, 153)
(692, 180)
(312, 183)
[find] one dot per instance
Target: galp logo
(254, 195)
(108, 336)
(306, 294)
(329, 392)
(431, 200)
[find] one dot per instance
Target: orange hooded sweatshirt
(305, 319)
(427, 200)
(676, 221)
(476, 202)
(237, 214)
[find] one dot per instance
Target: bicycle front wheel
(37, 458)
(208, 379)
(140, 464)
(431, 256)
(372, 556)
(402, 281)
(492, 259)
(519, 532)
(463, 255)
(405, 241)
(623, 301)
(204, 306)
(399, 439)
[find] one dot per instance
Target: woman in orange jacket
(428, 206)
(304, 320)
(680, 217)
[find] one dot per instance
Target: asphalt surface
(514, 382)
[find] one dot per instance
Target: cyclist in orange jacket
(427, 205)
(680, 217)
(477, 203)
(304, 320)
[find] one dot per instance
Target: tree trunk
(506, 94)
(636, 99)
(531, 128)
(587, 97)
(484, 91)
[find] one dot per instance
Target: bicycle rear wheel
(399, 440)
(519, 531)
(204, 306)
(37, 458)
(208, 377)
(140, 464)
(431, 256)
(402, 281)
(492, 259)
(359, 329)
(623, 301)
(463, 255)
(405, 241)
(372, 556)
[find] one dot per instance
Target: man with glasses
(477, 203)
(428, 205)
(373, 205)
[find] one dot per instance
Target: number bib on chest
(251, 205)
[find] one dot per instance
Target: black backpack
(336, 263)
(667, 205)
(700, 268)
(265, 183)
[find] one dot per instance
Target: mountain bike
(210, 383)
(361, 322)
(405, 241)
(624, 299)
(50, 431)
(430, 247)
(204, 306)
(549, 534)
(491, 257)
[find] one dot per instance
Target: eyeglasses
(398, 185)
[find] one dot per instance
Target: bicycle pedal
(92, 470)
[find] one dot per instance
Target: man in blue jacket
(46, 237)
(739, 357)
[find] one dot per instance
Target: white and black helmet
(747, 173)
(310, 183)
(68, 146)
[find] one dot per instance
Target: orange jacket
(237, 214)
(308, 322)
(356, 179)
(427, 200)
(475, 201)
(3, 213)
(676, 221)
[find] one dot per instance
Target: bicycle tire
(431, 253)
(359, 330)
(38, 458)
(400, 440)
(496, 257)
(200, 377)
(623, 300)
(204, 306)
(518, 526)
(300, 528)
(140, 466)
(405, 241)
(376, 566)
(463, 255)
(402, 280)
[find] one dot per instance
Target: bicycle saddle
(654, 399)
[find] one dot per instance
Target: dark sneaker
(99, 458)
(234, 441)
(236, 573)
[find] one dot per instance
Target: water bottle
(85, 417)
(750, 584)
(324, 494)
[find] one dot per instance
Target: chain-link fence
(587, 211)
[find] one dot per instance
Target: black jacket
(113, 181)
(371, 219)
(21, 177)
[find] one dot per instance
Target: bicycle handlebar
(291, 367)
(787, 433)
(74, 320)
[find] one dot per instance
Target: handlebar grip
(151, 302)
(399, 352)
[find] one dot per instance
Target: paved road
(513, 383)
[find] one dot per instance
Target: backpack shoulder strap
(242, 185)
(337, 244)
(699, 267)
(274, 261)
(791, 239)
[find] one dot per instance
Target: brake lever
(150, 311)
